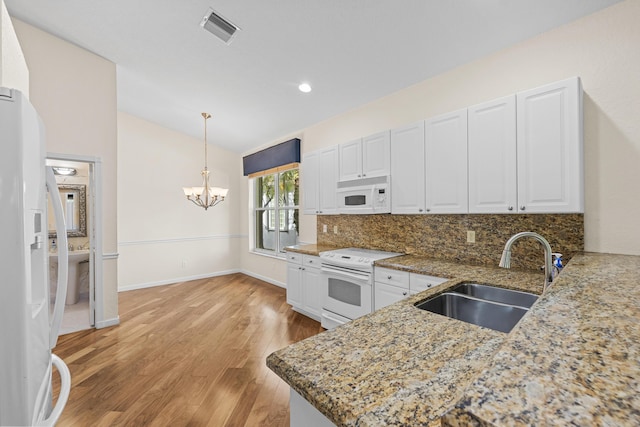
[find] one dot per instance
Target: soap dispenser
(557, 264)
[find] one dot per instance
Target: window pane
(288, 186)
(265, 192)
(265, 234)
(289, 233)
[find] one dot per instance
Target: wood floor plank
(191, 353)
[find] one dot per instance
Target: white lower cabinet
(390, 286)
(304, 414)
(304, 284)
(422, 282)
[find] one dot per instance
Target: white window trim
(252, 221)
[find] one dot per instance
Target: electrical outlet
(324, 228)
(184, 263)
(471, 236)
(335, 229)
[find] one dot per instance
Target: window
(275, 209)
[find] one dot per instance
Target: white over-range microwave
(365, 196)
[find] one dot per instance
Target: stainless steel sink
(492, 315)
(501, 295)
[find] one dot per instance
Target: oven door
(347, 293)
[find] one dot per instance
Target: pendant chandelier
(205, 196)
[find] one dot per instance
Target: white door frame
(95, 232)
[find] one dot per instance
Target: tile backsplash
(444, 237)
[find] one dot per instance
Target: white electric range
(347, 281)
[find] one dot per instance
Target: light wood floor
(186, 354)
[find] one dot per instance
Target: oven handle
(353, 275)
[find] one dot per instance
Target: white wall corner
(108, 322)
(264, 278)
(14, 72)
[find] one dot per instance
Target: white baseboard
(108, 322)
(175, 280)
(263, 278)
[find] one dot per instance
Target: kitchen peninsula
(574, 357)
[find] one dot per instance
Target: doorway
(76, 179)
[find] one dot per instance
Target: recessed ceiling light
(305, 87)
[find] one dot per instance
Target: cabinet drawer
(294, 257)
(386, 295)
(421, 282)
(392, 277)
(311, 261)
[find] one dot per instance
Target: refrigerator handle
(63, 396)
(63, 257)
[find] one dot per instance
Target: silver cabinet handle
(404, 293)
(358, 175)
(510, 208)
(420, 210)
(522, 208)
(364, 174)
(389, 277)
(428, 210)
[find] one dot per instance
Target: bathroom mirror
(74, 206)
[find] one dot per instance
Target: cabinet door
(492, 156)
(446, 163)
(376, 154)
(407, 169)
(310, 174)
(311, 291)
(294, 284)
(550, 151)
(386, 295)
(327, 181)
(351, 160)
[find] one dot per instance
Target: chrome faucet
(505, 261)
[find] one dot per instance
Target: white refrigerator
(28, 325)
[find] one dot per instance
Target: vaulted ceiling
(351, 52)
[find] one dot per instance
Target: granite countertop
(310, 249)
(575, 357)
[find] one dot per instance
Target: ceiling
(352, 52)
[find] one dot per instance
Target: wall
(163, 238)
(601, 48)
(13, 67)
(74, 92)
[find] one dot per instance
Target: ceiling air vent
(219, 26)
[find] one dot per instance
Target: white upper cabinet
(328, 180)
(365, 158)
(351, 160)
(446, 163)
(319, 180)
(310, 178)
(492, 156)
(550, 148)
(376, 155)
(407, 169)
